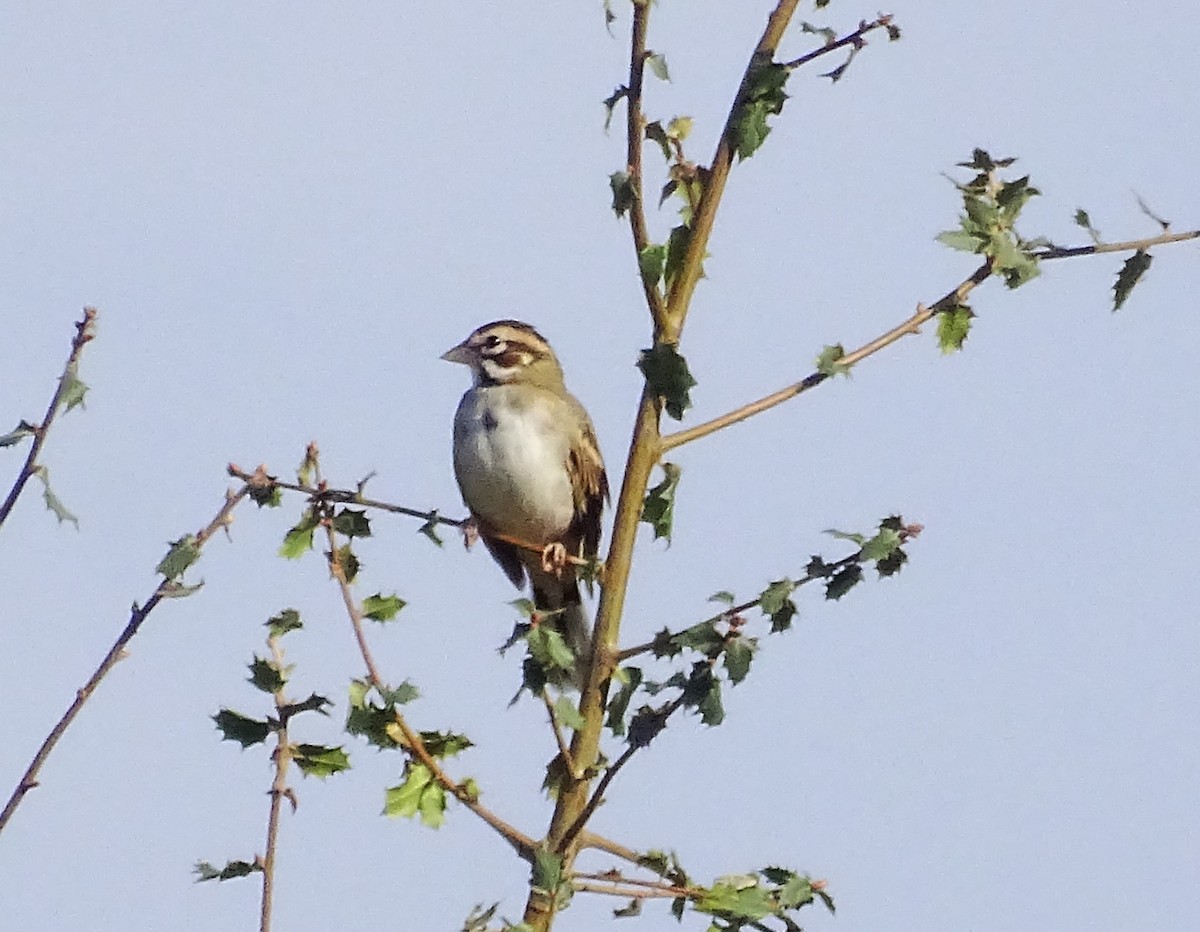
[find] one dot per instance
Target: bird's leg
(554, 557)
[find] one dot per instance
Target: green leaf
(352, 523)
(300, 538)
(846, 535)
(549, 651)
(776, 596)
(443, 744)
(724, 597)
(961, 239)
(51, 500)
(232, 869)
(892, 563)
(285, 621)
(183, 553)
(610, 103)
(73, 390)
(829, 361)
(269, 495)
(266, 676)
(882, 545)
(677, 246)
(658, 510)
(763, 96)
(17, 434)
(953, 327)
(567, 713)
(174, 589)
(680, 127)
(623, 194)
(736, 897)
(651, 262)
(825, 32)
(1083, 220)
(379, 607)
(1131, 273)
(547, 871)
(703, 637)
(843, 581)
(656, 134)
(369, 720)
(318, 760)
(658, 65)
(630, 678)
(404, 799)
(237, 727)
(346, 561)
(668, 376)
(738, 654)
(429, 528)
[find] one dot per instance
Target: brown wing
(590, 482)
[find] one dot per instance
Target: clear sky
(286, 212)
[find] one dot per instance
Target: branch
(913, 324)
(634, 132)
(85, 331)
(556, 727)
(282, 758)
(521, 843)
(168, 588)
(882, 21)
(591, 840)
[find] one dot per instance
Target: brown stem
(116, 652)
(853, 38)
(282, 758)
(85, 331)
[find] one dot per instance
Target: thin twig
(556, 727)
(634, 132)
(281, 758)
(922, 315)
(85, 331)
(853, 38)
(138, 615)
(521, 843)
(589, 839)
(634, 891)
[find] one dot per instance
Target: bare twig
(591, 840)
(521, 843)
(922, 315)
(633, 889)
(556, 727)
(85, 331)
(138, 615)
(853, 38)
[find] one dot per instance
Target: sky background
(287, 212)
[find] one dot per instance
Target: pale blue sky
(286, 212)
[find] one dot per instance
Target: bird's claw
(554, 558)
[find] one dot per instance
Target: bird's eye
(493, 343)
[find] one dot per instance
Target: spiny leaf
(1083, 220)
(300, 538)
(183, 553)
(610, 103)
(658, 510)
(352, 523)
(882, 545)
(739, 651)
(623, 194)
(404, 799)
(17, 434)
(703, 637)
(763, 96)
(668, 376)
(379, 607)
(285, 621)
(244, 730)
(567, 713)
(1131, 273)
(953, 327)
(843, 581)
(429, 528)
(232, 869)
(318, 760)
(892, 563)
(658, 65)
(655, 133)
(266, 676)
(549, 650)
(629, 678)
(651, 262)
(344, 559)
(723, 596)
(73, 390)
(828, 362)
(776, 603)
(52, 502)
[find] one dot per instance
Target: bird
(529, 469)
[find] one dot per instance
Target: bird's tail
(564, 610)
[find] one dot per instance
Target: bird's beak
(459, 354)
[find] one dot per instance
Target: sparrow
(529, 469)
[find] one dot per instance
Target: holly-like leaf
(961, 240)
(345, 560)
(668, 376)
(379, 607)
(843, 581)
(244, 730)
(892, 563)
(703, 638)
(882, 545)
(352, 523)
(183, 553)
(17, 434)
(407, 798)
(232, 869)
(736, 897)
(677, 246)
(567, 713)
(953, 327)
(724, 597)
(629, 678)
(777, 604)
(610, 103)
(738, 654)
(318, 760)
(299, 539)
(266, 494)
(829, 361)
(266, 676)
(762, 97)
(429, 528)
(52, 502)
(658, 510)
(1131, 273)
(73, 390)
(651, 262)
(549, 651)
(285, 621)
(624, 195)
(658, 66)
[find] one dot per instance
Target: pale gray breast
(510, 455)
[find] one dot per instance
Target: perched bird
(529, 468)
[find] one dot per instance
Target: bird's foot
(554, 558)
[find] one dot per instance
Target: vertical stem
(281, 757)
